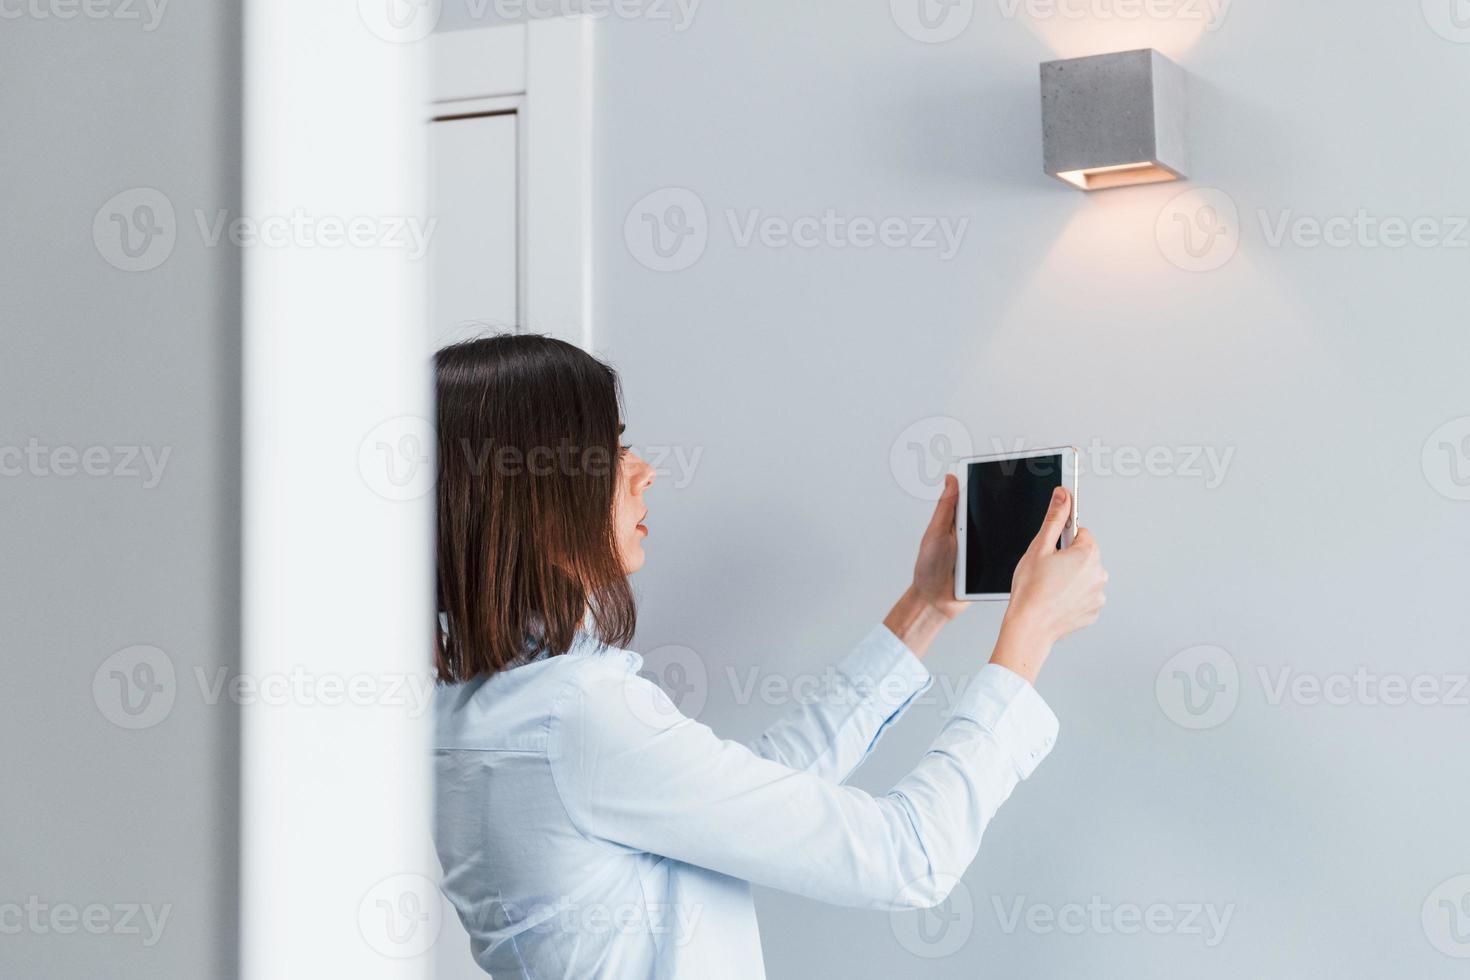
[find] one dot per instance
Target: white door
(474, 266)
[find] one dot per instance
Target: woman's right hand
(1053, 593)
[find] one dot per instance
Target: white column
(337, 511)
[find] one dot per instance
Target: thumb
(944, 511)
(1056, 520)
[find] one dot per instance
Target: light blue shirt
(588, 829)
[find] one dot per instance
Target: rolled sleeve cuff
(886, 671)
(887, 678)
(1004, 704)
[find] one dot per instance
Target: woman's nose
(645, 476)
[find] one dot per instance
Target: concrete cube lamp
(1111, 120)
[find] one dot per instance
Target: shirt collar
(584, 645)
(587, 645)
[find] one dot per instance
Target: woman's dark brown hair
(528, 460)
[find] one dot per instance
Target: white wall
(1324, 539)
(109, 562)
(120, 496)
(1324, 370)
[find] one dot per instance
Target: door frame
(541, 70)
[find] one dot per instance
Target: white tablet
(1003, 502)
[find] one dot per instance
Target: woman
(585, 827)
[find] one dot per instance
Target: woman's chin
(633, 558)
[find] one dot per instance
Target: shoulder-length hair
(528, 431)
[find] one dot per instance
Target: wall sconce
(1111, 120)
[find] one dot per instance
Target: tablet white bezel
(1069, 456)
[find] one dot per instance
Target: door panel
(473, 193)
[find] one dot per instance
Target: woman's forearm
(1021, 649)
(915, 621)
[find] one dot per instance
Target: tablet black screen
(1007, 503)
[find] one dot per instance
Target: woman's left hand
(934, 571)
(929, 603)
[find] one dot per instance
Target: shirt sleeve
(848, 710)
(634, 772)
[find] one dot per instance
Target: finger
(1056, 521)
(943, 520)
(1086, 545)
